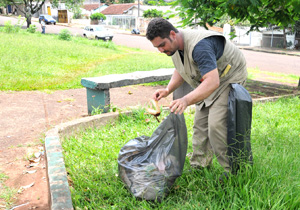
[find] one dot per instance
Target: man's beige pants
(210, 133)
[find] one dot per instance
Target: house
(274, 37)
(123, 15)
(129, 16)
(89, 9)
(242, 35)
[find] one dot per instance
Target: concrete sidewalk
(272, 50)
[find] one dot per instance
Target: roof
(117, 9)
(91, 7)
(214, 28)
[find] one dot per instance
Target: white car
(97, 32)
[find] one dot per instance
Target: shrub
(19, 24)
(65, 34)
(77, 15)
(98, 16)
(152, 13)
(8, 27)
(31, 29)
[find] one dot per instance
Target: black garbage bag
(239, 127)
(149, 166)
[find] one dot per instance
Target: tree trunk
(28, 19)
(284, 39)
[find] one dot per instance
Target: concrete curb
(281, 52)
(60, 196)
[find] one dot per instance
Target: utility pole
(99, 5)
(138, 8)
(138, 17)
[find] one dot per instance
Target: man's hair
(159, 27)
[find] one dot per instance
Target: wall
(253, 38)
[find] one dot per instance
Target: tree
(259, 13)
(152, 13)
(156, 2)
(31, 7)
(98, 16)
(126, 1)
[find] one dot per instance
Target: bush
(9, 28)
(65, 34)
(98, 16)
(77, 15)
(152, 13)
(31, 29)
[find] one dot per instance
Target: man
(209, 63)
(43, 25)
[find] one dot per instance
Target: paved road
(263, 61)
(273, 62)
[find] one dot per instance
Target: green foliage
(9, 28)
(71, 5)
(157, 2)
(109, 108)
(98, 16)
(259, 13)
(125, 1)
(32, 29)
(152, 13)
(65, 34)
(77, 13)
(7, 194)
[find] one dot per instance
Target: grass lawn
(37, 62)
(272, 183)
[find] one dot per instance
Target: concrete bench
(97, 88)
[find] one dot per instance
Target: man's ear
(172, 35)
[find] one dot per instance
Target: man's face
(166, 45)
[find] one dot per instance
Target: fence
(124, 22)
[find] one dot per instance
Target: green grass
(272, 183)
(254, 73)
(43, 62)
(39, 62)
(7, 194)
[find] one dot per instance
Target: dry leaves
(156, 111)
(25, 187)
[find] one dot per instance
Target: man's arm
(210, 83)
(175, 82)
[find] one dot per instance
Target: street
(263, 61)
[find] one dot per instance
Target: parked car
(97, 32)
(135, 31)
(48, 19)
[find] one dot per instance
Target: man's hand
(179, 105)
(160, 93)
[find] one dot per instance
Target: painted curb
(60, 196)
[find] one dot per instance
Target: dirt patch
(26, 116)
(261, 89)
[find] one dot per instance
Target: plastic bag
(239, 127)
(149, 166)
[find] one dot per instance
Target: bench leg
(97, 99)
